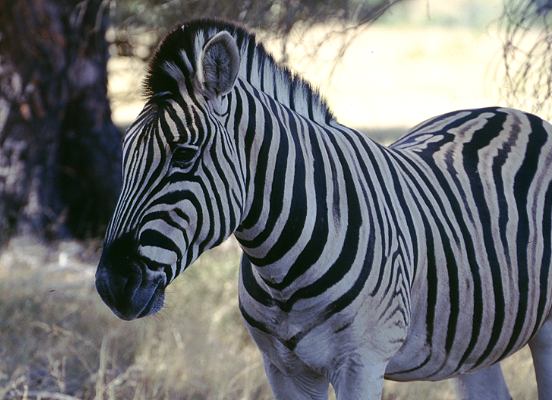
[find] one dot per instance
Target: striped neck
(303, 206)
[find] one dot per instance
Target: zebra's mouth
(141, 303)
(155, 303)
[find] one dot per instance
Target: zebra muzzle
(127, 288)
(129, 296)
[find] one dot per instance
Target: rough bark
(59, 150)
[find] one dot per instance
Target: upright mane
(174, 64)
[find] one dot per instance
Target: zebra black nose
(123, 283)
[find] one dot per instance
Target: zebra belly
(433, 364)
(447, 349)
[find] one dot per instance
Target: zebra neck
(310, 213)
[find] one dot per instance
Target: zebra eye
(184, 155)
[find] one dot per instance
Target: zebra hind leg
(487, 383)
(541, 350)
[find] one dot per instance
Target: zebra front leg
(541, 350)
(487, 383)
(304, 385)
(356, 380)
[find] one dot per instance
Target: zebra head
(182, 191)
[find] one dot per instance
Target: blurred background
(70, 83)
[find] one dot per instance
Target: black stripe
(149, 237)
(259, 178)
(297, 215)
(470, 152)
(545, 264)
(251, 286)
(278, 179)
(347, 255)
(522, 182)
(314, 247)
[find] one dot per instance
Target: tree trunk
(59, 150)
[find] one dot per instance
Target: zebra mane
(174, 64)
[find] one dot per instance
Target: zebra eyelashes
(184, 156)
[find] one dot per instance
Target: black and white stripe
(425, 260)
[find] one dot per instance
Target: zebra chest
(309, 340)
(292, 342)
(288, 328)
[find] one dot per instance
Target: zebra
(424, 260)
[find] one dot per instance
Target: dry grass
(57, 338)
(58, 341)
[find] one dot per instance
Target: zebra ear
(218, 65)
